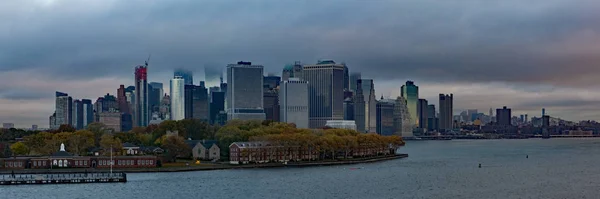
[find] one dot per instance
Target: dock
(61, 178)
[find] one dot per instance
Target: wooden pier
(61, 178)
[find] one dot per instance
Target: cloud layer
(525, 55)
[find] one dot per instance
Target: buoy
(479, 165)
(527, 156)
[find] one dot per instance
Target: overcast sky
(522, 54)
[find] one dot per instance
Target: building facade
(187, 75)
(325, 92)
(422, 113)
(446, 116)
(111, 120)
(359, 111)
(177, 98)
(293, 97)
(503, 116)
(217, 104)
(244, 98)
(410, 92)
(142, 115)
(64, 109)
(368, 90)
(271, 103)
(385, 117)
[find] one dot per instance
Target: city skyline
(521, 66)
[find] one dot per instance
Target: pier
(61, 178)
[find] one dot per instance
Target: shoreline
(210, 167)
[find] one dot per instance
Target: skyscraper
(177, 98)
(503, 116)
(325, 92)
(122, 99)
(292, 71)
(446, 109)
(385, 117)
(354, 77)
(110, 104)
(88, 112)
(187, 75)
(196, 102)
(217, 104)
(348, 109)
(245, 91)
(410, 92)
(293, 98)
(64, 109)
(422, 113)
(368, 90)
(403, 124)
(155, 94)
(77, 114)
(346, 78)
(359, 110)
(432, 120)
(271, 81)
(271, 103)
(142, 116)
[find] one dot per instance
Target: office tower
(126, 122)
(325, 92)
(410, 92)
(543, 112)
(78, 115)
(292, 71)
(385, 117)
(187, 76)
(110, 104)
(346, 78)
(271, 81)
(34, 127)
(432, 121)
(354, 77)
(88, 112)
(112, 120)
(472, 115)
(491, 113)
(217, 104)
(522, 118)
(271, 103)
(526, 119)
(359, 110)
(177, 98)
(293, 98)
(422, 116)
(52, 123)
(122, 99)
(349, 109)
(403, 124)
(141, 115)
(446, 108)
(64, 109)
(196, 102)
(368, 91)
(503, 116)
(165, 107)
(155, 94)
(244, 98)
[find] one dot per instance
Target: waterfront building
(446, 108)
(177, 98)
(422, 113)
(325, 92)
(503, 116)
(432, 120)
(472, 115)
(385, 117)
(64, 110)
(341, 124)
(410, 92)
(204, 149)
(244, 98)
(294, 106)
(187, 75)
(142, 115)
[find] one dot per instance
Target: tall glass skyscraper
(142, 116)
(410, 92)
(245, 91)
(88, 112)
(325, 92)
(368, 90)
(445, 116)
(187, 75)
(354, 77)
(177, 98)
(293, 98)
(64, 110)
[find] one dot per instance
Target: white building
(341, 124)
(177, 98)
(293, 102)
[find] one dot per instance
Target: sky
(526, 55)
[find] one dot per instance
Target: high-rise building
(64, 109)
(491, 113)
(110, 104)
(217, 104)
(385, 117)
(177, 98)
(187, 75)
(34, 127)
(293, 97)
(112, 120)
(142, 115)
(165, 107)
(348, 109)
(271, 103)
(52, 123)
(432, 120)
(292, 71)
(196, 102)
(155, 94)
(88, 112)
(325, 92)
(503, 116)
(446, 108)
(403, 124)
(368, 90)
(346, 78)
(122, 99)
(359, 111)
(543, 112)
(472, 114)
(77, 115)
(410, 92)
(422, 115)
(271, 81)
(244, 98)
(354, 77)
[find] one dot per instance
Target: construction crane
(148, 60)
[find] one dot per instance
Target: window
(76, 162)
(35, 163)
(85, 162)
(44, 162)
(151, 162)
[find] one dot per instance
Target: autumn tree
(175, 147)
(65, 128)
(108, 142)
(80, 141)
(98, 129)
(19, 148)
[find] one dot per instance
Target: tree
(6, 152)
(175, 147)
(98, 129)
(128, 137)
(65, 128)
(19, 148)
(108, 142)
(80, 141)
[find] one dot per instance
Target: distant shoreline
(210, 167)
